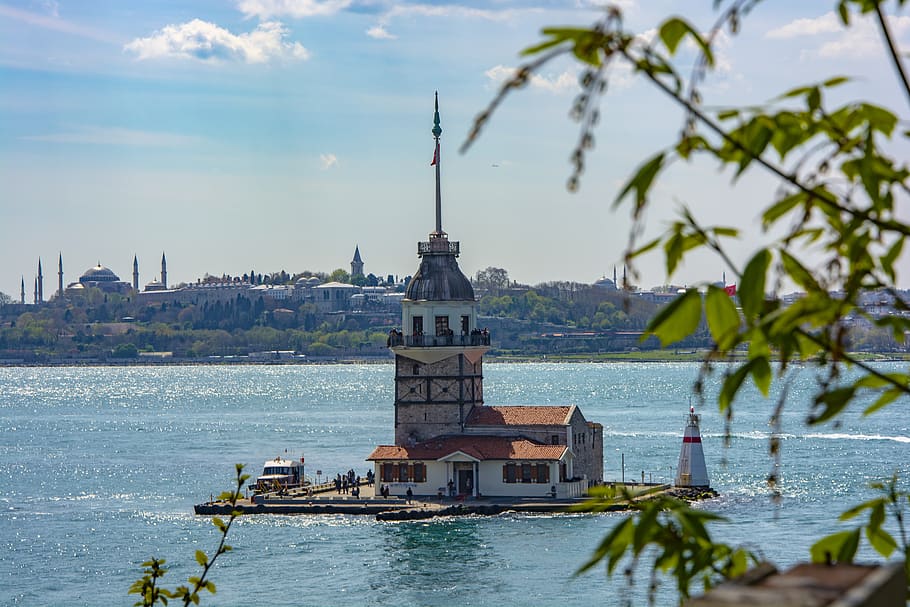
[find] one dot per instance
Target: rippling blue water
(100, 469)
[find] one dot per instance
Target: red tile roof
(478, 447)
(520, 416)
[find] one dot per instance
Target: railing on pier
(430, 341)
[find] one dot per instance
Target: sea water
(101, 466)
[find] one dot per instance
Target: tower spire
(163, 270)
(40, 284)
(60, 275)
(437, 160)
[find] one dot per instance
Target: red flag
(731, 290)
(435, 155)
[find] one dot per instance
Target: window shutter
(505, 473)
(533, 474)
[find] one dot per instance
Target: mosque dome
(98, 274)
(605, 283)
(439, 279)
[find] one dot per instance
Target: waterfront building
(446, 438)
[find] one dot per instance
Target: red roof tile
(519, 416)
(478, 447)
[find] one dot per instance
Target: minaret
(35, 298)
(40, 284)
(691, 470)
(60, 276)
(136, 273)
(439, 353)
(357, 263)
(163, 271)
(22, 292)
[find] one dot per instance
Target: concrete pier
(420, 507)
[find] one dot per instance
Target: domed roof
(439, 279)
(99, 274)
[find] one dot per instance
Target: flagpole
(437, 131)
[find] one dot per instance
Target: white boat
(281, 474)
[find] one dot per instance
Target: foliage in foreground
(148, 587)
(835, 204)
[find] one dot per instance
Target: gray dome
(439, 279)
(99, 274)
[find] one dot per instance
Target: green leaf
(723, 319)
(838, 547)
(751, 289)
(678, 319)
(761, 374)
(612, 546)
(732, 384)
(799, 273)
(782, 207)
(641, 181)
(835, 81)
(885, 399)
(882, 541)
(671, 32)
(201, 558)
(832, 403)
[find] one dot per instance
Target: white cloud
(206, 41)
(100, 135)
(327, 161)
(452, 10)
(558, 83)
(449, 11)
(826, 24)
(861, 39)
(296, 9)
(54, 23)
(379, 32)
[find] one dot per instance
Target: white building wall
(454, 310)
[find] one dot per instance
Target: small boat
(280, 475)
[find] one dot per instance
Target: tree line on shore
(550, 318)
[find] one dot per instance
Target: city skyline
(277, 134)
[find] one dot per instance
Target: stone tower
(439, 353)
(163, 271)
(136, 272)
(356, 263)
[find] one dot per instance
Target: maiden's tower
(446, 438)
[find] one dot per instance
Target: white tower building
(691, 471)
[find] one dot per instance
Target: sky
(267, 135)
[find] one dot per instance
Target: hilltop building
(445, 436)
(102, 278)
(356, 263)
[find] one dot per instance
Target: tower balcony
(438, 246)
(479, 338)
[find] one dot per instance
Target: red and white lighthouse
(691, 471)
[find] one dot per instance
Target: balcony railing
(432, 341)
(440, 245)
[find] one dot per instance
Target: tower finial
(437, 130)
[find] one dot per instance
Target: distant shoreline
(661, 356)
